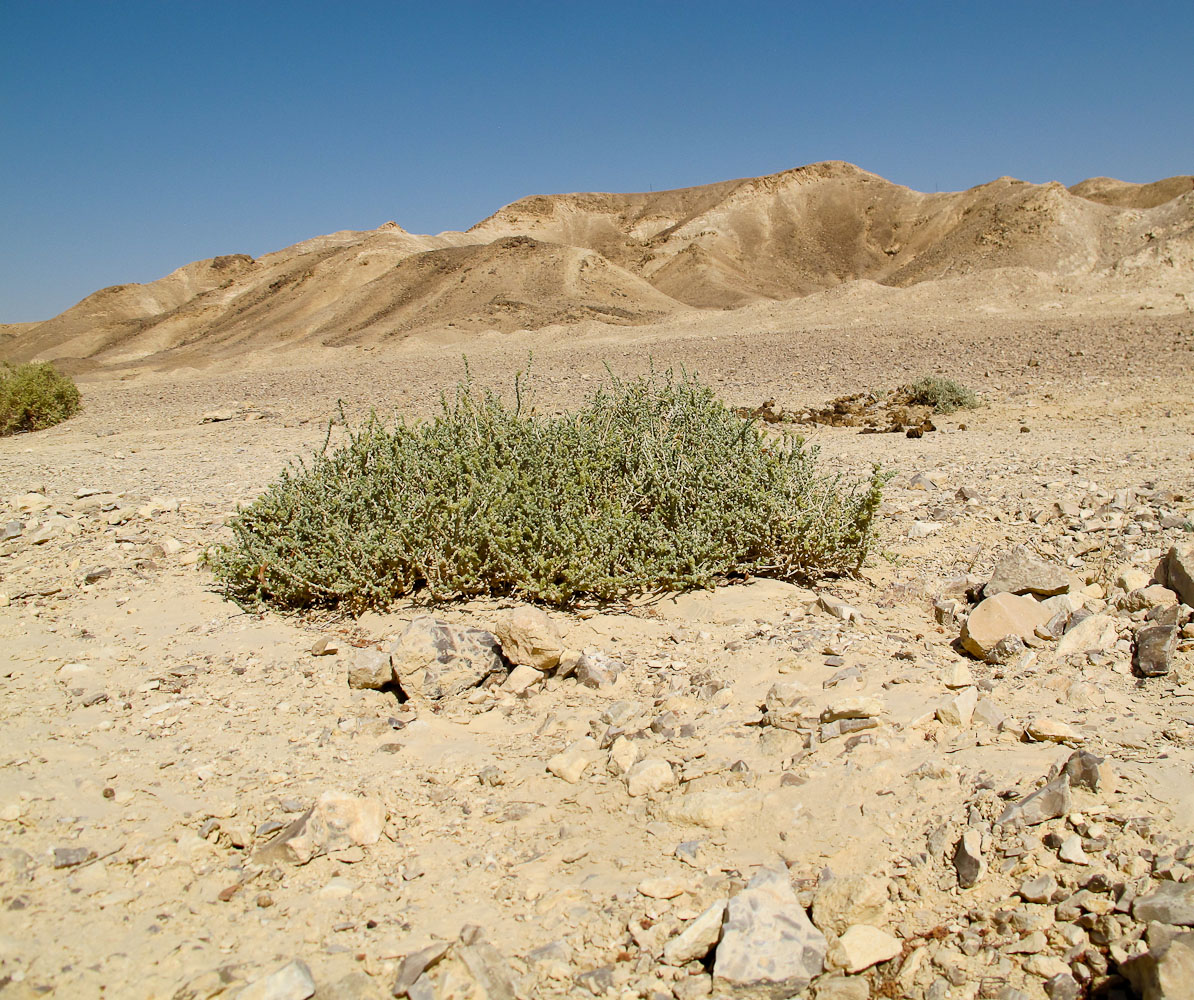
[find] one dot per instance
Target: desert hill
(628, 259)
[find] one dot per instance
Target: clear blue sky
(135, 137)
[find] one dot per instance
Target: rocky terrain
(965, 773)
(915, 783)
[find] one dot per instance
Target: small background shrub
(943, 394)
(653, 485)
(35, 396)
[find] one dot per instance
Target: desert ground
(765, 790)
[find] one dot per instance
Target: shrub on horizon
(653, 485)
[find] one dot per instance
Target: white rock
(521, 678)
(623, 755)
(571, 764)
(651, 775)
(529, 637)
(959, 710)
(697, 938)
(863, 946)
(958, 676)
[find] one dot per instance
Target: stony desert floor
(617, 835)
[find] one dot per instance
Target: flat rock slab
(1022, 571)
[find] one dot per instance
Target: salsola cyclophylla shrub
(943, 394)
(35, 396)
(653, 485)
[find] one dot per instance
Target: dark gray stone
(1154, 649)
(968, 859)
(69, 857)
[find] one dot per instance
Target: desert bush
(653, 485)
(943, 394)
(35, 396)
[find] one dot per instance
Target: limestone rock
(769, 949)
(412, 967)
(715, 808)
(958, 676)
(1021, 571)
(843, 988)
(623, 754)
(856, 707)
(434, 660)
(839, 608)
(1179, 572)
(988, 713)
(1130, 579)
(1165, 971)
(1093, 632)
(291, 982)
(521, 679)
(841, 902)
(1046, 730)
(1039, 889)
(863, 946)
(598, 671)
(1169, 903)
(476, 970)
(1071, 851)
(651, 775)
(572, 762)
(968, 859)
(1085, 770)
(529, 637)
(958, 710)
(1154, 649)
(336, 821)
(1046, 803)
(999, 616)
(698, 937)
(370, 669)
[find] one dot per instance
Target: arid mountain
(628, 259)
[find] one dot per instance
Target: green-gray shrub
(943, 394)
(35, 396)
(653, 485)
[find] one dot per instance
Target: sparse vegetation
(35, 396)
(653, 485)
(943, 394)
